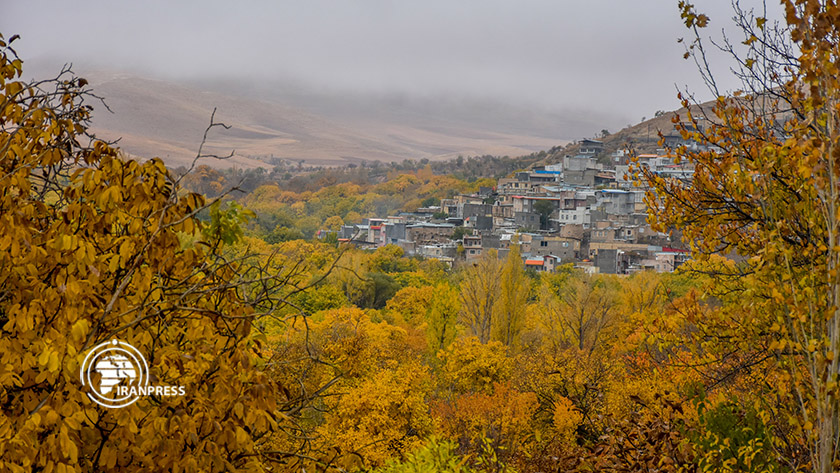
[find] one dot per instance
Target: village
(582, 210)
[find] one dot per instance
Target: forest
(303, 354)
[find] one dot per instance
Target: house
(571, 230)
(670, 259)
(529, 220)
(472, 247)
(616, 201)
(547, 263)
(578, 215)
(525, 203)
(591, 147)
(563, 248)
(611, 262)
(623, 176)
(440, 251)
(425, 233)
(579, 163)
(394, 232)
(585, 178)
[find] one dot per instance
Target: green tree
(545, 208)
(460, 232)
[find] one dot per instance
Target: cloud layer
(612, 56)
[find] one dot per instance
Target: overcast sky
(618, 56)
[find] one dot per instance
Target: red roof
(533, 262)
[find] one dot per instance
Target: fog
(617, 57)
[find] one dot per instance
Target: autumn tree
(91, 246)
(765, 188)
(412, 303)
(469, 366)
(496, 426)
(334, 223)
(581, 313)
(442, 317)
(513, 298)
(480, 285)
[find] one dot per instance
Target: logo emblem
(120, 367)
(123, 376)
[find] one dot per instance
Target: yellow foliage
(381, 416)
(566, 418)
(471, 366)
(90, 251)
(502, 416)
(411, 303)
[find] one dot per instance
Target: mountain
(642, 137)
(162, 118)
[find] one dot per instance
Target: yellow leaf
(45, 357)
(54, 362)
(241, 436)
(79, 330)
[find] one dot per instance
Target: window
(565, 244)
(543, 243)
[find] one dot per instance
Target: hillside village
(584, 209)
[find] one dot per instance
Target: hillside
(642, 137)
(167, 119)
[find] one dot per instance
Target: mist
(615, 57)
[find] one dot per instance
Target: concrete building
(566, 249)
(472, 247)
(429, 233)
(591, 147)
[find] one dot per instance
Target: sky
(612, 56)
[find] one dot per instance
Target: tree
(91, 246)
(513, 298)
(545, 208)
(767, 189)
(581, 313)
(412, 303)
(469, 366)
(460, 232)
(430, 202)
(480, 285)
(381, 416)
(436, 455)
(442, 317)
(333, 223)
(499, 421)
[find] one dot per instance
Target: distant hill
(642, 137)
(167, 119)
